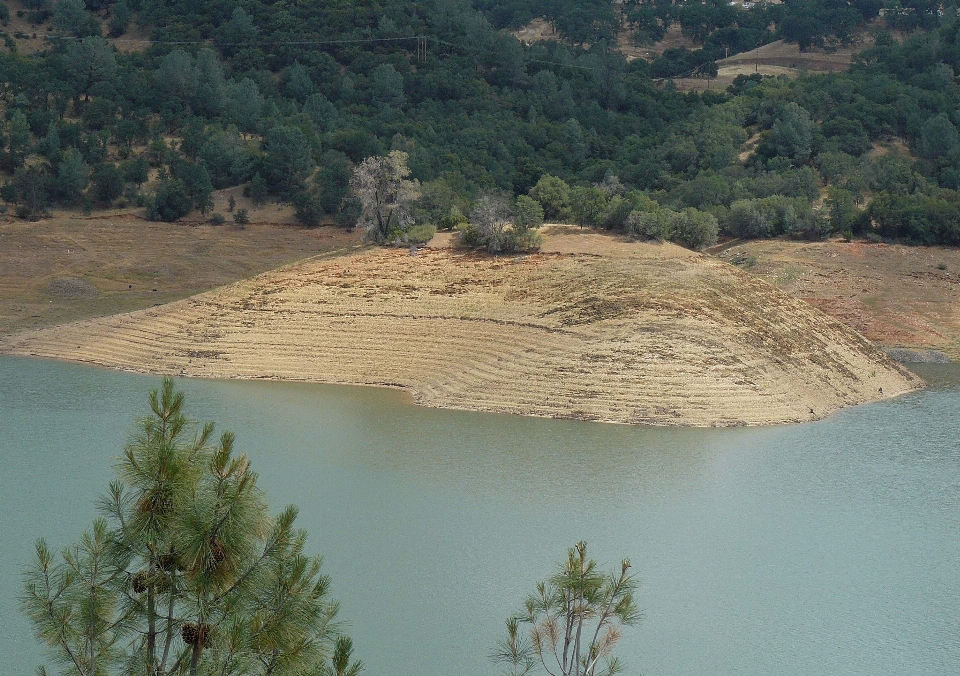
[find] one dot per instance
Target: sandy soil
(895, 295)
(590, 328)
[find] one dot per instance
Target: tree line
(288, 103)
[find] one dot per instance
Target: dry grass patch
(591, 328)
(895, 295)
(62, 269)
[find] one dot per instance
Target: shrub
(171, 202)
(453, 219)
(771, 217)
(309, 211)
(650, 225)
(694, 229)
(421, 234)
(690, 228)
(529, 213)
(217, 219)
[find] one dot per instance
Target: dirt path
(590, 328)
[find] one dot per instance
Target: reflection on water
(830, 547)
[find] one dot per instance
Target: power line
(421, 41)
(247, 43)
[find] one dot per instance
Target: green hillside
(288, 97)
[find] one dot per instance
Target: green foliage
(654, 224)
(106, 182)
(842, 210)
(308, 209)
(575, 617)
(72, 18)
(587, 205)
(19, 140)
(30, 190)
(694, 229)
(287, 161)
(73, 177)
(793, 133)
(298, 84)
(421, 234)
(920, 219)
(493, 227)
(241, 217)
(333, 180)
(939, 139)
(690, 228)
(322, 113)
(226, 156)
(187, 572)
(259, 190)
(528, 213)
(387, 86)
(171, 202)
(485, 114)
(553, 194)
(771, 217)
(136, 171)
(436, 202)
(453, 219)
(120, 16)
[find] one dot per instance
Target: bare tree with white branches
(386, 195)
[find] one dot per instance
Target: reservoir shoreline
(590, 328)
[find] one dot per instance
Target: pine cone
(141, 581)
(193, 634)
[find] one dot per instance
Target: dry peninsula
(591, 327)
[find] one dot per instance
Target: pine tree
(187, 572)
(575, 619)
(258, 189)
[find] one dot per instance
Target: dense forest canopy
(288, 98)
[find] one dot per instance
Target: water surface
(822, 548)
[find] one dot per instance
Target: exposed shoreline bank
(591, 328)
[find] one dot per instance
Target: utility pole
(422, 49)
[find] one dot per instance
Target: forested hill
(287, 97)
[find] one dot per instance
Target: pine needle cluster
(574, 618)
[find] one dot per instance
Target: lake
(823, 548)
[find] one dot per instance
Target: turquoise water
(823, 548)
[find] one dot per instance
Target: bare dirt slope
(67, 268)
(590, 328)
(895, 295)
